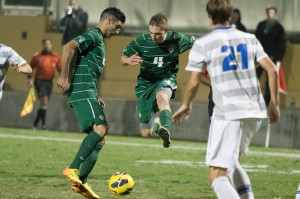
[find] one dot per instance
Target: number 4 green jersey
(159, 60)
(158, 69)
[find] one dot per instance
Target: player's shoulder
(143, 39)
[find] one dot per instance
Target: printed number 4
(158, 61)
(233, 50)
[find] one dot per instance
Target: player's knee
(146, 132)
(101, 130)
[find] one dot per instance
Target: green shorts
(146, 96)
(88, 113)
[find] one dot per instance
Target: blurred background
(25, 23)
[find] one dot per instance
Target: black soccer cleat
(165, 136)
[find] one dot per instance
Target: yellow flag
(28, 106)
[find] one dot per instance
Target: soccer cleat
(165, 136)
(85, 190)
(72, 174)
(156, 125)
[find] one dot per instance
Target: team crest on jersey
(171, 50)
(81, 39)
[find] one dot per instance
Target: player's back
(230, 58)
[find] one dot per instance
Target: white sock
(298, 192)
(241, 182)
(224, 189)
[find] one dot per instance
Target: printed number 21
(242, 49)
(158, 61)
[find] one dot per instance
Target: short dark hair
(113, 12)
(159, 20)
(271, 8)
(219, 11)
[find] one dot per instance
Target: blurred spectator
(74, 22)
(271, 35)
(236, 19)
(43, 64)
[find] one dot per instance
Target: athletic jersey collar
(223, 28)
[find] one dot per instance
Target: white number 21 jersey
(230, 56)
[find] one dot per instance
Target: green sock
(87, 146)
(88, 165)
(165, 117)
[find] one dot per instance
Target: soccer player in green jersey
(158, 53)
(84, 97)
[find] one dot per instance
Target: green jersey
(159, 60)
(158, 69)
(89, 66)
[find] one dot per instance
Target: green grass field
(31, 164)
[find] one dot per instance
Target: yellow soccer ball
(121, 183)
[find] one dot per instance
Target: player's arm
(191, 91)
(204, 79)
(186, 42)
(270, 68)
(23, 68)
(67, 54)
(130, 55)
(132, 60)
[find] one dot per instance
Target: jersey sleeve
(131, 49)
(14, 57)
(259, 51)
(197, 58)
(186, 42)
(86, 41)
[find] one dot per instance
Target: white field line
(247, 167)
(255, 153)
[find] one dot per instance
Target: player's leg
(38, 117)
(150, 127)
(47, 89)
(237, 175)
(163, 97)
(43, 110)
(222, 153)
(88, 113)
(241, 182)
(298, 192)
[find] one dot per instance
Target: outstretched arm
(63, 82)
(24, 68)
(191, 91)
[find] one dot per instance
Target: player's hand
(15, 66)
(182, 111)
(63, 84)
(134, 60)
(273, 112)
(101, 102)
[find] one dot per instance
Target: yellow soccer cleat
(85, 190)
(72, 175)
